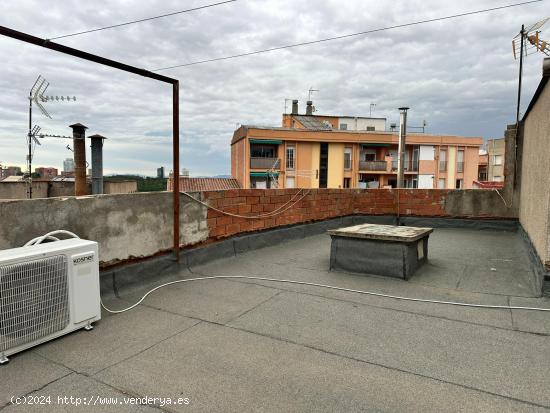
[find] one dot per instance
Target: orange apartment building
(312, 151)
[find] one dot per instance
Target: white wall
(425, 181)
(362, 123)
(427, 153)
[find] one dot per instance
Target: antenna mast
(36, 95)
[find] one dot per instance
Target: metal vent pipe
(97, 164)
(401, 149)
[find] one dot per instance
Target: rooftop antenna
(525, 43)
(311, 91)
(36, 96)
(372, 107)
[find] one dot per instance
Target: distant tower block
(97, 164)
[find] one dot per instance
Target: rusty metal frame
(27, 38)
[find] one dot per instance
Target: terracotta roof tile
(207, 184)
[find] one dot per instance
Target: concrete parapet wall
(133, 226)
(126, 226)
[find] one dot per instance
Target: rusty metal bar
(27, 38)
(176, 173)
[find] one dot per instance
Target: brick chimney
(295, 107)
(309, 108)
(79, 152)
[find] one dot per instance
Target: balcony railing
(410, 166)
(265, 163)
(442, 166)
(372, 165)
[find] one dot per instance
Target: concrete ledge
(480, 224)
(136, 274)
(208, 253)
(541, 274)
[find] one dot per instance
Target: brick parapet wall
(320, 204)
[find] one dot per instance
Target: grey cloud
(459, 75)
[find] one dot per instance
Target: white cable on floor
(503, 307)
(38, 240)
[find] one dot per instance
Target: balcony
(265, 163)
(373, 165)
(409, 166)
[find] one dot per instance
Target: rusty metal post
(176, 166)
(79, 148)
(46, 43)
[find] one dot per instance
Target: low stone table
(389, 250)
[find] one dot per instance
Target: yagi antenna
(530, 35)
(37, 96)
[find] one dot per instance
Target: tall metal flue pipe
(97, 164)
(401, 149)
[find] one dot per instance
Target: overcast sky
(459, 75)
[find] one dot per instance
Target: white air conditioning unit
(46, 291)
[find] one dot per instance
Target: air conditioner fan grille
(33, 300)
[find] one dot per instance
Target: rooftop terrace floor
(244, 345)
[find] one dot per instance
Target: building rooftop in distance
(249, 345)
(188, 184)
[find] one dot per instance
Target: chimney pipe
(401, 149)
(97, 164)
(295, 107)
(309, 108)
(546, 67)
(79, 148)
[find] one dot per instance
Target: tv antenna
(311, 91)
(372, 107)
(520, 46)
(36, 96)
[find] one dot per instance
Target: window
(347, 159)
(369, 155)
(459, 183)
(443, 160)
(441, 183)
(290, 157)
(460, 161)
(347, 183)
(290, 182)
(343, 126)
(497, 160)
(370, 129)
(263, 151)
(497, 178)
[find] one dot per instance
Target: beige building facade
(495, 167)
(305, 158)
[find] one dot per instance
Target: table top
(382, 232)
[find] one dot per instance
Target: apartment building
(46, 172)
(263, 157)
(495, 168)
(330, 122)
